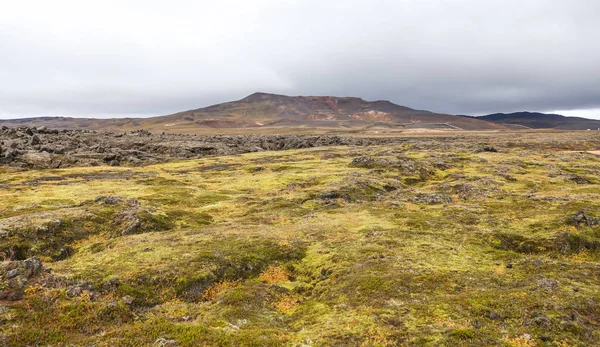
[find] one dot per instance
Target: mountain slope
(537, 120)
(261, 110)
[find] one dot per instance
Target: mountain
(535, 120)
(261, 110)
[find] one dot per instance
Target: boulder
(578, 179)
(32, 267)
(431, 199)
(363, 161)
(41, 159)
(15, 275)
(582, 217)
(12, 273)
(109, 200)
(80, 288)
(35, 140)
(111, 285)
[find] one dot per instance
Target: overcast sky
(143, 58)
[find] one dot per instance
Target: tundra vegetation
(456, 240)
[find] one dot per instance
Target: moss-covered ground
(403, 245)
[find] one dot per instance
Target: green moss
(463, 334)
(355, 258)
(154, 222)
(57, 202)
(372, 284)
(209, 199)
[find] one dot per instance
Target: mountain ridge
(539, 120)
(260, 110)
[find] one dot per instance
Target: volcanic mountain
(534, 120)
(261, 110)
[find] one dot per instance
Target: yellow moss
(581, 257)
(33, 289)
(520, 342)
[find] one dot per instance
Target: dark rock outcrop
(64, 148)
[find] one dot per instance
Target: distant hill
(272, 110)
(262, 109)
(535, 120)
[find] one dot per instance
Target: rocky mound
(16, 275)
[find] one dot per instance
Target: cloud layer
(142, 58)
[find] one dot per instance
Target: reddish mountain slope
(261, 110)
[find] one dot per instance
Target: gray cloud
(141, 58)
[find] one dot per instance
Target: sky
(146, 58)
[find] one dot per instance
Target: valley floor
(470, 240)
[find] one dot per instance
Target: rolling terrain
(262, 110)
(465, 239)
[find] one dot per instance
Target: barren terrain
(272, 112)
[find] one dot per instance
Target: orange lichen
(218, 288)
(274, 274)
(287, 303)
